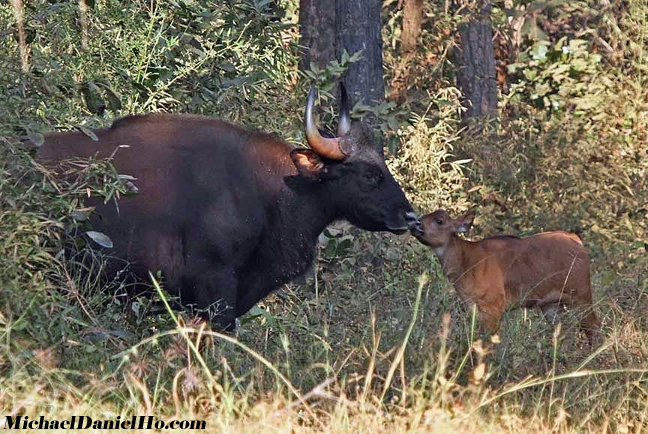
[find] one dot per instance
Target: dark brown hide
(225, 213)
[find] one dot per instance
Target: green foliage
(336, 245)
(73, 343)
(199, 56)
(45, 296)
(388, 117)
(560, 76)
(571, 151)
(426, 166)
(327, 78)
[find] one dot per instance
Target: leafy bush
(560, 76)
(360, 342)
(199, 56)
(571, 150)
(426, 166)
(39, 285)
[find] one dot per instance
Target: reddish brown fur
(545, 270)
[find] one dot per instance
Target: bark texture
(412, 19)
(475, 61)
(19, 15)
(83, 21)
(317, 27)
(402, 73)
(358, 29)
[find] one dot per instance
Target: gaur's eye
(438, 221)
(371, 177)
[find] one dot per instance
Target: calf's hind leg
(551, 311)
(589, 322)
(590, 325)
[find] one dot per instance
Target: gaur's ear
(308, 163)
(463, 223)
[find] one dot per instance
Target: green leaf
(36, 138)
(92, 96)
(256, 312)
(530, 74)
(100, 238)
(81, 215)
(540, 50)
(88, 132)
(114, 99)
(345, 56)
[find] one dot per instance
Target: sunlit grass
(298, 368)
(363, 343)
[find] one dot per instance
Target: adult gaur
(229, 214)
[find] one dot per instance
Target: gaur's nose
(412, 219)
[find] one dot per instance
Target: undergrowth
(372, 339)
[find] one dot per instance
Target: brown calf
(545, 270)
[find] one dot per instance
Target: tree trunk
(475, 62)
(83, 20)
(412, 19)
(19, 15)
(317, 29)
(401, 75)
(358, 28)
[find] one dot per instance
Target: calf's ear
(464, 223)
(308, 163)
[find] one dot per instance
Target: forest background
(373, 339)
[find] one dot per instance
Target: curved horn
(325, 147)
(344, 124)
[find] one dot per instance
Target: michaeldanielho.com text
(86, 422)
